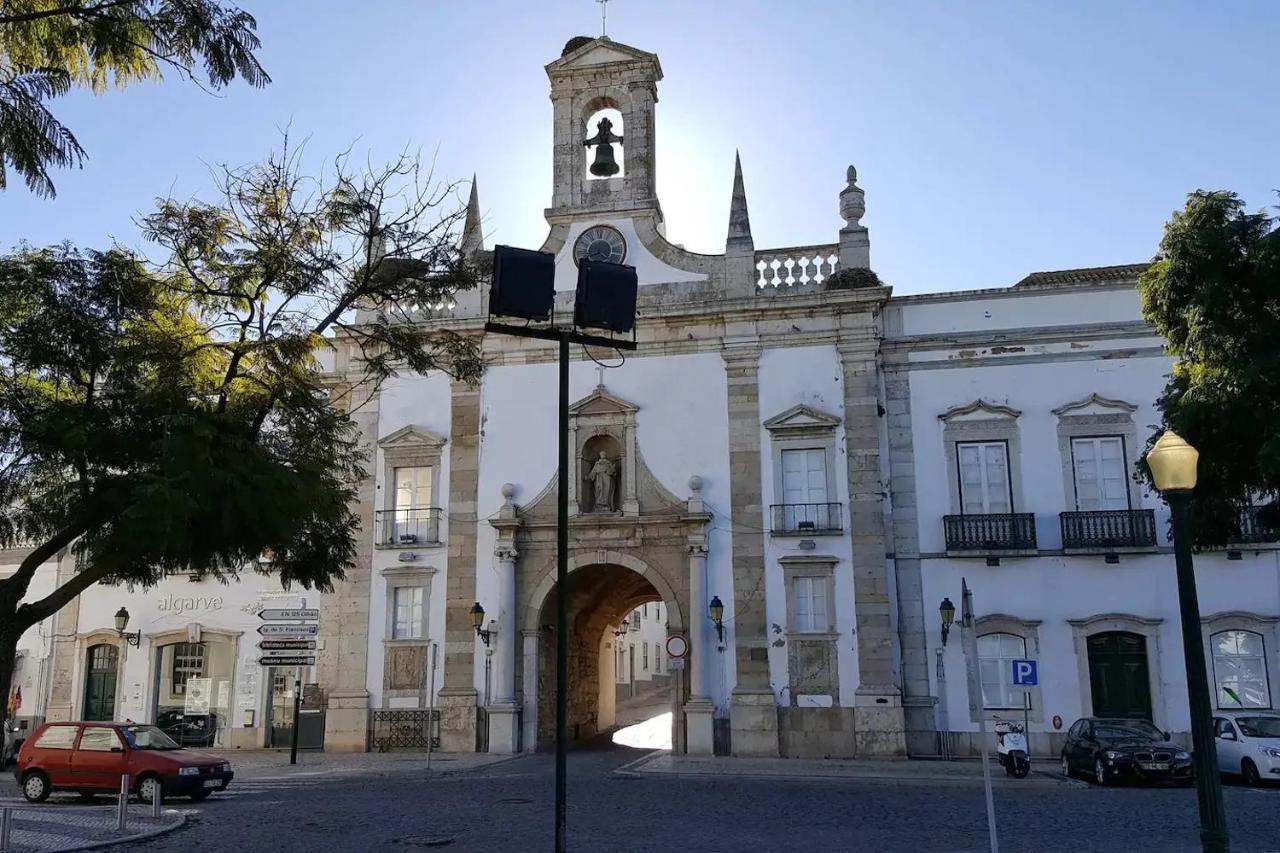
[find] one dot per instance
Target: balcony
(806, 519)
(990, 532)
(408, 528)
(1254, 532)
(1103, 531)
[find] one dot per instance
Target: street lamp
(477, 619)
(1173, 469)
(716, 610)
(947, 611)
(122, 622)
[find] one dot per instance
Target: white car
(1248, 744)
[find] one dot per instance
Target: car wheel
(1066, 767)
(35, 787)
(1249, 771)
(149, 788)
(1100, 775)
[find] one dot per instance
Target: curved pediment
(978, 410)
(1096, 404)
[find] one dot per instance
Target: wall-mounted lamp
(947, 611)
(122, 622)
(716, 609)
(477, 619)
(621, 630)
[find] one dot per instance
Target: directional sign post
(292, 632)
(283, 615)
(296, 660)
(299, 629)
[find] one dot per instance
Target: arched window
(1240, 669)
(996, 653)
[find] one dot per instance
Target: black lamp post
(1173, 468)
(477, 619)
(947, 611)
(122, 622)
(716, 611)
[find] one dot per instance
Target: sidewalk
(959, 772)
(269, 763)
(54, 828)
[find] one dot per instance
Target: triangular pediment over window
(601, 402)
(978, 410)
(801, 419)
(412, 437)
(1096, 404)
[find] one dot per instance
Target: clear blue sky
(992, 138)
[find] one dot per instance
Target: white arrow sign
(300, 613)
(273, 630)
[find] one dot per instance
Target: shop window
(193, 691)
(1240, 670)
(188, 662)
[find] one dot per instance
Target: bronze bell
(605, 166)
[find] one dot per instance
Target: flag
(15, 700)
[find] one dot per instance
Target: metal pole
(6, 827)
(297, 706)
(156, 804)
(1213, 817)
(562, 594)
(122, 805)
(431, 705)
(975, 698)
(1026, 721)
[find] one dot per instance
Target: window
(1100, 473)
(188, 663)
(635, 618)
(984, 477)
(57, 737)
(660, 666)
(996, 653)
(811, 604)
(413, 488)
(1240, 670)
(644, 657)
(645, 610)
(622, 663)
(804, 476)
(407, 616)
(99, 739)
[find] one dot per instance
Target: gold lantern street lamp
(716, 610)
(477, 620)
(122, 622)
(1173, 469)
(947, 612)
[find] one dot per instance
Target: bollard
(123, 806)
(155, 807)
(6, 826)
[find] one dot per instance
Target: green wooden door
(100, 682)
(1118, 675)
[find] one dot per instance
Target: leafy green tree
(1213, 292)
(47, 47)
(172, 416)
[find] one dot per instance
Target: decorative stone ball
(695, 483)
(508, 490)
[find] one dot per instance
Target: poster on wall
(224, 694)
(248, 693)
(197, 696)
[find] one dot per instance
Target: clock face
(600, 243)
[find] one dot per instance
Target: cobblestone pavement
(58, 826)
(508, 807)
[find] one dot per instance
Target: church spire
(472, 234)
(739, 237)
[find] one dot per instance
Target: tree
(1213, 292)
(169, 416)
(48, 47)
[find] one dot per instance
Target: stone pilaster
(342, 662)
(458, 717)
(753, 712)
(66, 627)
(879, 714)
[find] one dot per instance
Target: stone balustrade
(796, 266)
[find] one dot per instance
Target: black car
(1113, 750)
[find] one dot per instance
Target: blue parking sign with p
(1024, 673)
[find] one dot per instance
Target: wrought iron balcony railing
(1001, 531)
(407, 527)
(1109, 528)
(806, 518)
(1254, 532)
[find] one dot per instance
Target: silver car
(1248, 745)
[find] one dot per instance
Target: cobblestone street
(507, 807)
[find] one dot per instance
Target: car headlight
(1181, 756)
(1271, 751)
(1112, 755)
(188, 771)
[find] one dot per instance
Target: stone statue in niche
(602, 477)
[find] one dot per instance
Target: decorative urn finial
(852, 201)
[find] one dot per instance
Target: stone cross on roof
(603, 15)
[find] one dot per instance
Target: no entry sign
(677, 646)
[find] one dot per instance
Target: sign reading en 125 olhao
(297, 630)
(276, 615)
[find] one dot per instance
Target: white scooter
(1011, 748)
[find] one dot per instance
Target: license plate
(213, 783)
(1159, 765)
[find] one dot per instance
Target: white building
(826, 459)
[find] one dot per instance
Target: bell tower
(602, 96)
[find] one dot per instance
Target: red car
(90, 758)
